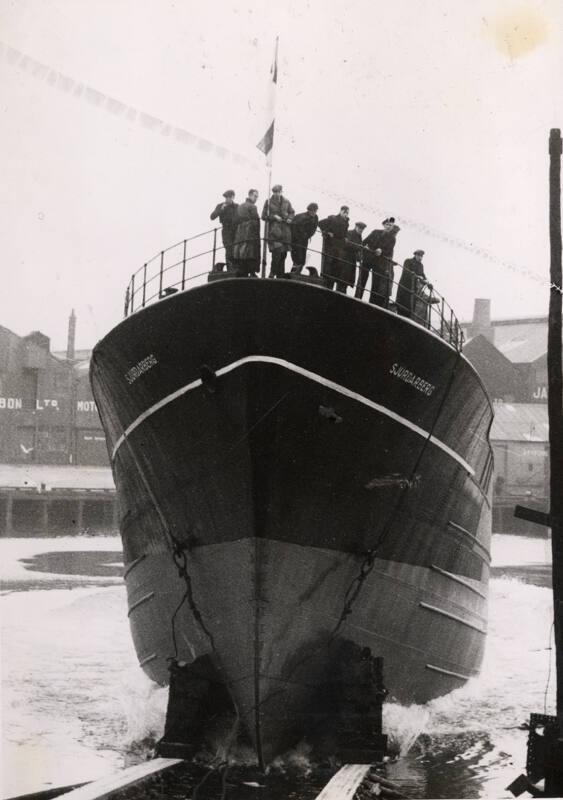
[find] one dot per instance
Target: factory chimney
(481, 323)
(71, 336)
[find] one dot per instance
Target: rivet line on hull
(449, 615)
(343, 390)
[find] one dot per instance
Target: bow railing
(185, 265)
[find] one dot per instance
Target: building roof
(520, 422)
(521, 342)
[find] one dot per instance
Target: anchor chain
(180, 558)
(355, 587)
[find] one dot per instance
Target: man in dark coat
(378, 259)
(227, 211)
(278, 213)
(334, 229)
(303, 228)
(352, 256)
(411, 280)
(246, 247)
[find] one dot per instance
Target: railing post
(161, 273)
(214, 248)
(451, 324)
(126, 302)
(144, 283)
(442, 318)
(132, 292)
(184, 266)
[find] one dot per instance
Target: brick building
(55, 476)
(47, 411)
(511, 358)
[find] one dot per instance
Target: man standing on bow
(303, 228)
(352, 257)
(227, 213)
(412, 279)
(334, 229)
(378, 259)
(278, 213)
(246, 248)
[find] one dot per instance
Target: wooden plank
(531, 515)
(345, 783)
(104, 787)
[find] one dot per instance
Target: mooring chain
(355, 587)
(180, 558)
(369, 560)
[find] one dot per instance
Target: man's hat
(277, 187)
(229, 193)
(312, 207)
(344, 208)
(419, 252)
(361, 225)
(389, 221)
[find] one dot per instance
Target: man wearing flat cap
(303, 228)
(378, 259)
(334, 229)
(278, 213)
(412, 280)
(227, 213)
(352, 257)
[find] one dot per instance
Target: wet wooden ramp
(175, 779)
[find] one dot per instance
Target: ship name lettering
(414, 380)
(139, 369)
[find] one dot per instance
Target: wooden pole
(555, 406)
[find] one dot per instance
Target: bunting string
(80, 91)
(64, 83)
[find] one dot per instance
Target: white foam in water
(75, 702)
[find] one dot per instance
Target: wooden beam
(531, 515)
(345, 783)
(108, 785)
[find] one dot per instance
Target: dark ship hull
(296, 468)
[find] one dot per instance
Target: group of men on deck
(345, 253)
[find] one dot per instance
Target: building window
(52, 440)
(29, 389)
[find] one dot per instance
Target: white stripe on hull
(343, 390)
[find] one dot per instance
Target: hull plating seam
(140, 602)
(459, 675)
(146, 660)
(454, 617)
(307, 374)
(133, 564)
(458, 580)
(470, 536)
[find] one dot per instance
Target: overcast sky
(435, 112)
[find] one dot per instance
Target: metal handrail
(429, 308)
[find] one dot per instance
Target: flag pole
(266, 225)
(266, 145)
